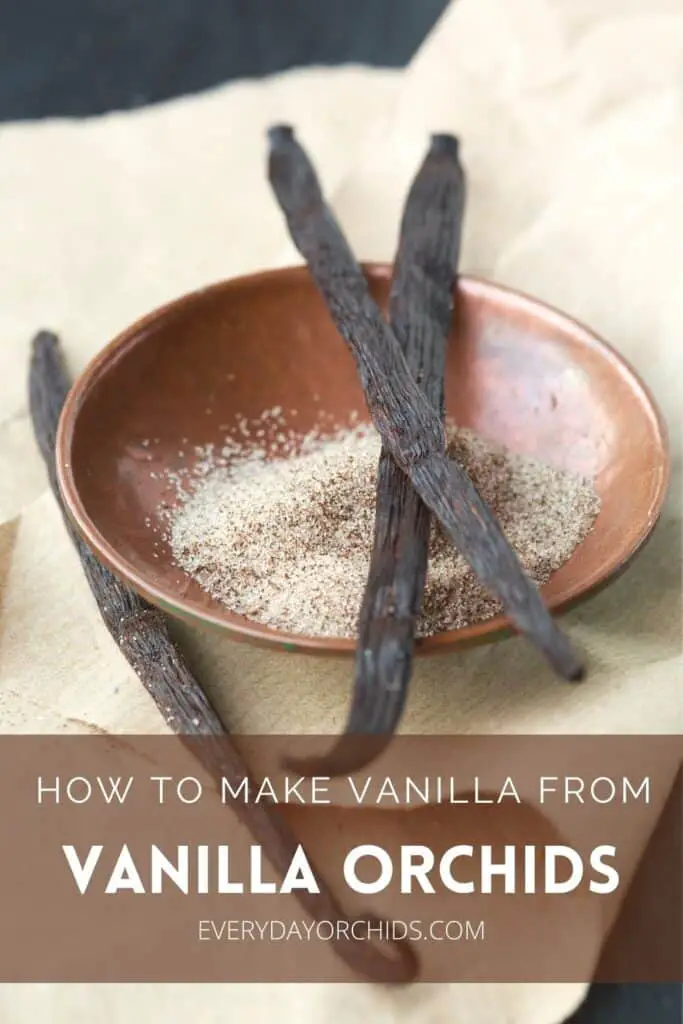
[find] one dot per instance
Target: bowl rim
(240, 628)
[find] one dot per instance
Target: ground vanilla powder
(287, 541)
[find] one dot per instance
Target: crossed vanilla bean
(420, 309)
(141, 633)
(410, 428)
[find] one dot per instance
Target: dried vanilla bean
(420, 310)
(141, 633)
(409, 426)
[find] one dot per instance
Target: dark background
(81, 57)
(86, 56)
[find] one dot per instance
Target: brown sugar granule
(287, 542)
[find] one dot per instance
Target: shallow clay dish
(517, 372)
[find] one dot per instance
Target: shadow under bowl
(517, 372)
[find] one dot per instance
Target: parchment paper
(571, 117)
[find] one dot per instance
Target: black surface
(631, 1004)
(79, 57)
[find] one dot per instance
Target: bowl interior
(190, 373)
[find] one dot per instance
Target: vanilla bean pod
(408, 425)
(420, 311)
(141, 633)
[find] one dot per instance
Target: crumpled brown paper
(571, 118)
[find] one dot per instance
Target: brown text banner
(497, 859)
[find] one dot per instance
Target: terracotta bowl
(518, 372)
